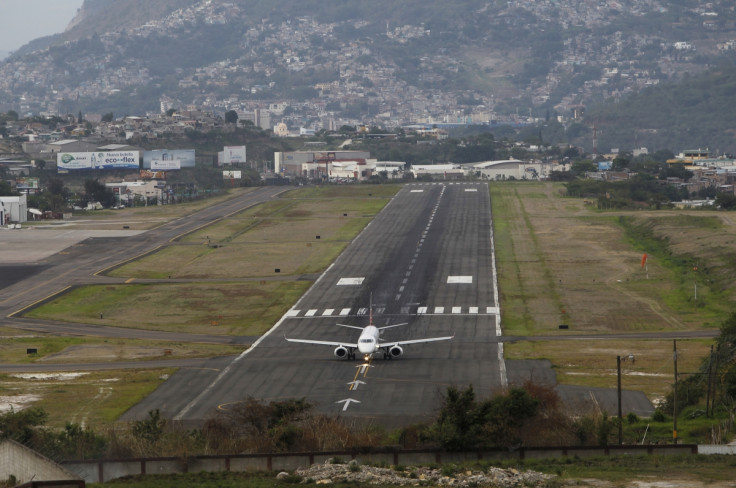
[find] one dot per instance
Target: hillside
(696, 112)
(376, 63)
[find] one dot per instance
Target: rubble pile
(330, 472)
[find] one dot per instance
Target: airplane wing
(389, 326)
(415, 341)
(324, 343)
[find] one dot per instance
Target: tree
(6, 190)
(108, 117)
(94, 191)
(231, 117)
(726, 201)
(466, 424)
(19, 426)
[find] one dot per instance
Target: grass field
(106, 394)
(560, 261)
(190, 286)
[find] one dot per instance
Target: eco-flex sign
(97, 160)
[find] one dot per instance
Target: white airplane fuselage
(368, 340)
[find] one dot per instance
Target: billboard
(234, 154)
(165, 164)
(184, 156)
(73, 161)
(231, 175)
(115, 160)
(147, 174)
(26, 183)
(97, 160)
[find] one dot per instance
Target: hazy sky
(24, 20)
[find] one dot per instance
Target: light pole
(674, 426)
(620, 418)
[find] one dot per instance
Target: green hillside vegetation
(693, 113)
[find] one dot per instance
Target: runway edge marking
(494, 277)
(227, 369)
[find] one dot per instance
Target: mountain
(694, 113)
(383, 63)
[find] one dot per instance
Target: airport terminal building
(334, 165)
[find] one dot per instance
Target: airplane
(369, 342)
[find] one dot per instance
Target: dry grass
(248, 308)
(593, 362)
(106, 394)
(561, 262)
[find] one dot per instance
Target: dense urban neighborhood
(318, 71)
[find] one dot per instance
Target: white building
(438, 171)
(128, 191)
(13, 209)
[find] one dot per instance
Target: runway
(427, 260)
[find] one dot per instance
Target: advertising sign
(97, 160)
(185, 157)
(73, 161)
(147, 174)
(115, 160)
(26, 183)
(165, 165)
(231, 175)
(234, 154)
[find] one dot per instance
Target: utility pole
(715, 380)
(707, 396)
(620, 418)
(674, 427)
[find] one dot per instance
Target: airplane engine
(341, 352)
(396, 351)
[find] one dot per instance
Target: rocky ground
(353, 472)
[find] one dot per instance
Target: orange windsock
(643, 259)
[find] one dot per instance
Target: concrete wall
(106, 470)
(717, 449)
(26, 465)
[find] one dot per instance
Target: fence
(100, 471)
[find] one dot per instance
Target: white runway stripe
(404, 310)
